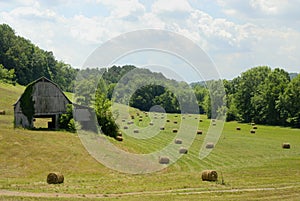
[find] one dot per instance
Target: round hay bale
(137, 114)
(199, 132)
(286, 145)
(175, 130)
(209, 145)
(254, 127)
(119, 138)
(119, 133)
(176, 116)
(151, 123)
(178, 141)
(252, 124)
(129, 122)
(2, 112)
(162, 128)
(123, 120)
(125, 127)
(162, 117)
(183, 150)
(55, 178)
(209, 175)
(164, 160)
(175, 122)
(238, 128)
(200, 120)
(213, 120)
(140, 116)
(252, 131)
(155, 117)
(168, 120)
(136, 131)
(132, 116)
(214, 124)
(140, 119)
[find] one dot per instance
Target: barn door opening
(44, 122)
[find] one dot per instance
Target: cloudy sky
(236, 35)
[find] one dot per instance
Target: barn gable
(41, 99)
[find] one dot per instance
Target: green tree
(290, 102)
(249, 83)
(266, 99)
(103, 112)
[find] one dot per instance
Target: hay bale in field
(119, 138)
(213, 120)
(164, 160)
(254, 127)
(55, 178)
(178, 141)
(238, 128)
(125, 127)
(209, 145)
(252, 124)
(140, 119)
(168, 120)
(151, 123)
(175, 130)
(2, 112)
(162, 117)
(199, 132)
(183, 150)
(200, 120)
(175, 122)
(135, 131)
(119, 133)
(123, 120)
(214, 124)
(209, 175)
(176, 116)
(132, 116)
(162, 128)
(286, 145)
(252, 131)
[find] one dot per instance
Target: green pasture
(250, 166)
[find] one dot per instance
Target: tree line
(259, 95)
(26, 62)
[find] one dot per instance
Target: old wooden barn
(41, 99)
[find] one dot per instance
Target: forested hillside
(27, 62)
(259, 95)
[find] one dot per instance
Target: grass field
(252, 166)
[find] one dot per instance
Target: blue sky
(236, 35)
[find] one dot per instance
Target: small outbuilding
(41, 99)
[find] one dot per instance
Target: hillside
(254, 165)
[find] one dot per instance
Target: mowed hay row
(55, 178)
(286, 145)
(209, 175)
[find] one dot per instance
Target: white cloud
(162, 6)
(235, 40)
